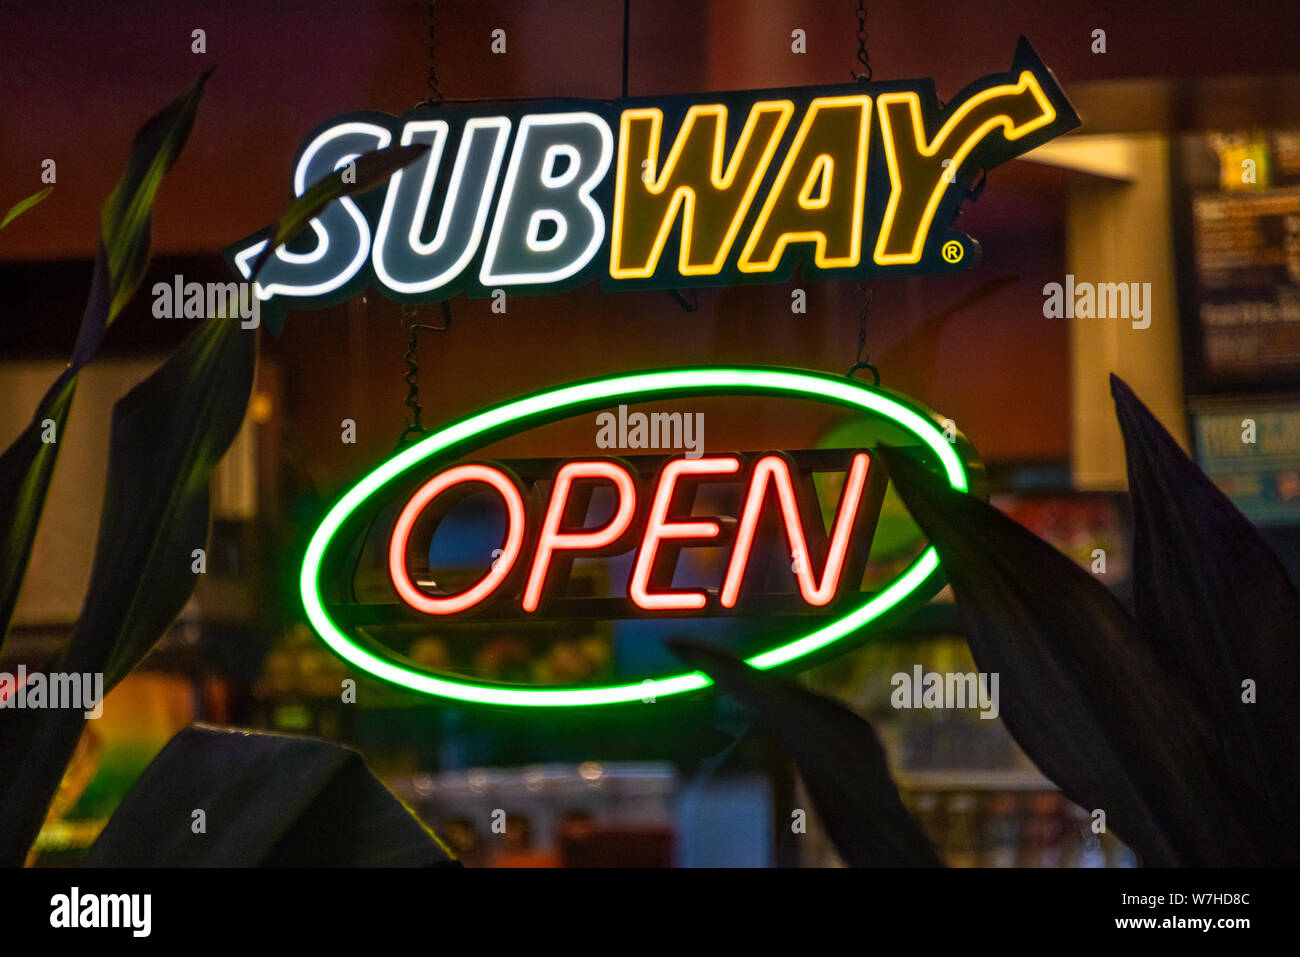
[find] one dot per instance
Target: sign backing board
(527, 197)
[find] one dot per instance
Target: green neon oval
(571, 399)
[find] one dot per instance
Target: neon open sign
(844, 180)
(543, 503)
(655, 522)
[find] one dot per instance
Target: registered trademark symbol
(952, 251)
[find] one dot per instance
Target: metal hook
(977, 188)
(688, 305)
(436, 98)
(875, 373)
(863, 57)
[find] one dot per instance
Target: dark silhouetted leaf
(1079, 689)
(838, 756)
(120, 261)
(268, 800)
(367, 171)
(20, 207)
(1214, 601)
(167, 434)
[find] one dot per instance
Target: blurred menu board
(1245, 250)
(1248, 277)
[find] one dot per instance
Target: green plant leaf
(367, 171)
(28, 464)
(1079, 689)
(1214, 601)
(126, 222)
(167, 435)
(842, 763)
(269, 800)
(25, 471)
(20, 207)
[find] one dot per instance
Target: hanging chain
(863, 57)
(415, 425)
(864, 362)
(412, 377)
(627, 26)
(436, 98)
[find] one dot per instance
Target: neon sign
(651, 516)
(846, 181)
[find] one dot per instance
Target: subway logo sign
(718, 188)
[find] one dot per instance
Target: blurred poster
(1252, 452)
(1092, 528)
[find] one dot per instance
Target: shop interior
(1183, 180)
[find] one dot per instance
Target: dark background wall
(76, 79)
